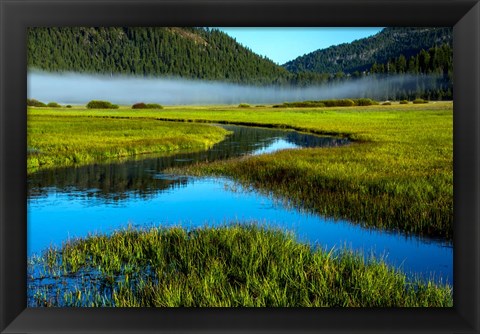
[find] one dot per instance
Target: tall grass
(227, 266)
(420, 205)
(56, 140)
(398, 173)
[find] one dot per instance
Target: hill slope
(361, 54)
(209, 54)
(187, 52)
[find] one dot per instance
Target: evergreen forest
(425, 54)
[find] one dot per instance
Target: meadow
(56, 140)
(396, 174)
(236, 265)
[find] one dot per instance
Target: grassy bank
(56, 139)
(398, 173)
(227, 266)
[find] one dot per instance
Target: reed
(235, 265)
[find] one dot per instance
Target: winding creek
(74, 202)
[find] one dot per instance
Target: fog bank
(72, 88)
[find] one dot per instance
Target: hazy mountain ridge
(361, 54)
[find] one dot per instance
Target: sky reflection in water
(75, 202)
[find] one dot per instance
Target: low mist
(69, 88)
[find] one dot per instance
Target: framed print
(240, 166)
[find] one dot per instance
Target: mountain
(360, 55)
(196, 53)
(209, 54)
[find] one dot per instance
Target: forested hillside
(361, 54)
(209, 54)
(427, 74)
(199, 53)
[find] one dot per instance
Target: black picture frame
(17, 15)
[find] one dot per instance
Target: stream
(74, 202)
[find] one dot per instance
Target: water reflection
(75, 202)
(205, 201)
(144, 178)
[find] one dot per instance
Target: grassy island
(226, 266)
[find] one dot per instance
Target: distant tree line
(427, 74)
(434, 65)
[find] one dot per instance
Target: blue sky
(284, 44)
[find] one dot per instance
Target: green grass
(226, 266)
(398, 173)
(60, 140)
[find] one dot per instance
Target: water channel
(75, 202)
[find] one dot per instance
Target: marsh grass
(236, 265)
(397, 174)
(55, 140)
(414, 206)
